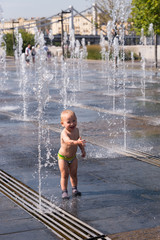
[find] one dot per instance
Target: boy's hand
(81, 142)
(83, 153)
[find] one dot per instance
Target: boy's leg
(73, 177)
(73, 172)
(63, 167)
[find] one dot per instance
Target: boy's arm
(67, 140)
(82, 147)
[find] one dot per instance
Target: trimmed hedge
(128, 55)
(94, 53)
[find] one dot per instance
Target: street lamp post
(62, 30)
(14, 44)
(13, 35)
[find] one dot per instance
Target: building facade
(83, 24)
(27, 24)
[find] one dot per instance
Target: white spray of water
(43, 78)
(119, 11)
(3, 71)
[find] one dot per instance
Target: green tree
(28, 38)
(145, 12)
(9, 38)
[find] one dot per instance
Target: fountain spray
(3, 74)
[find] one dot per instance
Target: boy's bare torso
(68, 150)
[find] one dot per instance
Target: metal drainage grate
(63, 224)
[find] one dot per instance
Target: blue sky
(39, 8)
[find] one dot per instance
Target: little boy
(67, 160)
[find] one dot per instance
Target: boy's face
(69, 121)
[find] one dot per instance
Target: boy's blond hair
(65, 113)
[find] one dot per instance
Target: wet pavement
(120, 194)
(16, 224)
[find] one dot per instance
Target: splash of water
(3, 74)
(103, 55)
(23, 84)
(72, 69)
(142, 36)
(65, 40)
(43, 78)
(50, 35)
(132, 60)
(119, 11)
(151, 42)
(19, 44)
(83, 56)
(65, 77)
(22, 72)
(55, 64)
